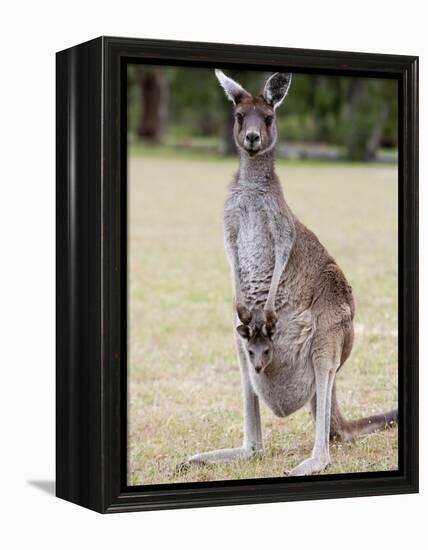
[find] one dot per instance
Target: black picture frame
(91, 246)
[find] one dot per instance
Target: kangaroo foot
(309, 466)
(218, 456)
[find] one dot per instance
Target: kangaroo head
(255, 129)
(256, 334)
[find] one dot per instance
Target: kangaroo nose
(253, 137)
(258, 368)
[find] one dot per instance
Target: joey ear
(234, 91)
(276, 88)
(243, 331)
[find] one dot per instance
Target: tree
(154, 97)
(357, 114)
(365, 114)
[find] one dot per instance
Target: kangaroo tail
(349, 429)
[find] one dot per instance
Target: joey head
(256, 333)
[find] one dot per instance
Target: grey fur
(279, 265)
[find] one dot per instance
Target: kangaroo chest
(254, 211)
(255, 247)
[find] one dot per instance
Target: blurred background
(325, 117)
(336, 160)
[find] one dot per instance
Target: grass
(184, 384)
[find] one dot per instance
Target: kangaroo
(279, 265)
(256, 336)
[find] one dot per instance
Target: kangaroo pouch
(289, 381)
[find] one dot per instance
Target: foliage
(357, 114)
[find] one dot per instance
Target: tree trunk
(154, 105)
(229, 146)
(375, 138)
(353, 141)
(366, 114)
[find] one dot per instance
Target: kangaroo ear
(234, 91)
(276, 88)
(243, 331)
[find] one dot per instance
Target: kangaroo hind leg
(325, 372)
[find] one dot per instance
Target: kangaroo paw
(271, 317)
(243, 312)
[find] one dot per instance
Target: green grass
(184, 384)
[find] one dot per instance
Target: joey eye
(268, 120)
(239, 118)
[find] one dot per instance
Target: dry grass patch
(184, 384)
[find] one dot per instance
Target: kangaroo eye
(268, 120)
(239, 118)
(266, 352)
(251, 352)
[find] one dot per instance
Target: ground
(184, 383)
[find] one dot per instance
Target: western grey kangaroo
(256, 336)
(279, 265)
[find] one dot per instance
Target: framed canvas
(185, 291)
